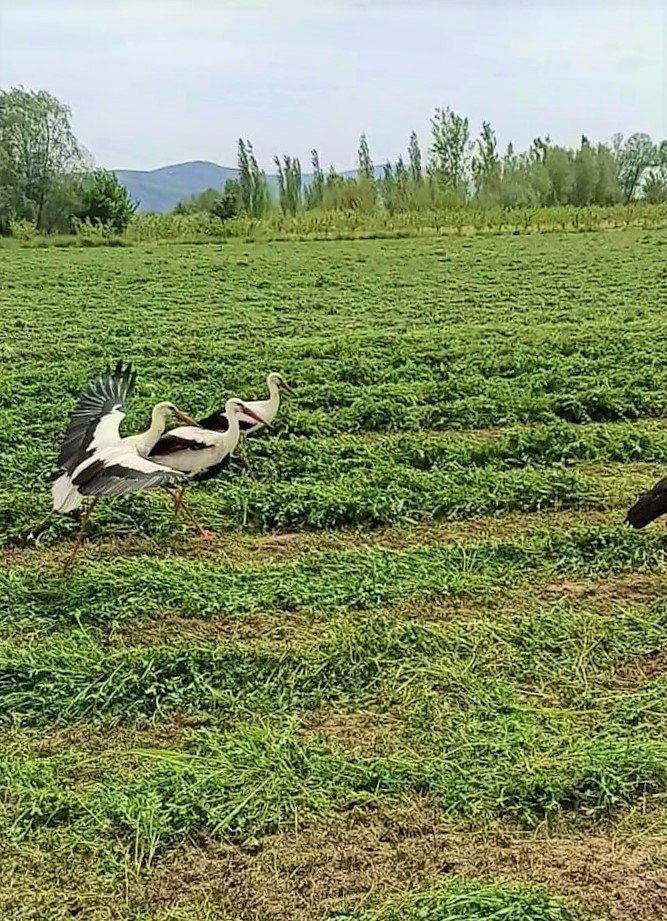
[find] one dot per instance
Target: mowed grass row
(475, 377)
(557, 652)
(384, 497)
(470, 901)
(527, 719)
(108, 593)
(325, 459)
(338, 482)
(480, 748)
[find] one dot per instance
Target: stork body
(265, 409)
(95, 461)
(199, 453)
(109, 457)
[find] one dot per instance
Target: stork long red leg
(178, 498)
(180, 506)
(80, 535)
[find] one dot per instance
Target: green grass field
(422, 672)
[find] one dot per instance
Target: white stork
(95, 461)
(200, 453)
(266, 409)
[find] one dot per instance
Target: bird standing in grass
(94, 461)
(649, 506)
(265, 409)
(200, 453)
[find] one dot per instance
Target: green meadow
(422, 671)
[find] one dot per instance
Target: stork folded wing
(96, 417)
(216, 422)
(172, 442)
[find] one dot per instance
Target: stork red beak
(188, 420)
(285, 388)
(253, 415)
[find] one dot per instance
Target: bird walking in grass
(649, 506)
(265, 409)
(95, 461)
(199, 453)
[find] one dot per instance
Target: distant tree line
(48, 183)
(454, 171)
(46, 177)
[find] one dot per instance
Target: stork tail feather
(66, 497)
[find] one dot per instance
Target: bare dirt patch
(625, 590)
(365, 857)
(372, 733)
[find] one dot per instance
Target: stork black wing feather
(119, 479)
(216, 422)
(649, 506)
(109, 391)
(170, 444)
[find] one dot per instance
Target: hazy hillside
(162, 189)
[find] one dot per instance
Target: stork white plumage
(95, 461)
(200, 453)
(265, 409)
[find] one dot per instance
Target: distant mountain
(162, 189)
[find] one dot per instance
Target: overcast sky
(152, 82)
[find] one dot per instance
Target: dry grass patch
(364, 857)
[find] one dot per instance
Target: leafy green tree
(366, 197)
(559, 166)
(365, 168)
(607, 190)
(202, 201)
(486, 165)
(389, 189)
(105, 201)
(315, 191)
(586, 174)
(223, 205)
(226, 206)
(415, 159)
(253, 191)
(633, 158)
(39, 158)
(655, 185)
(539, 148)
(289, 183)
(450, 150)
(245, 177)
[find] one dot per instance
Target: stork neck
(233, 433)
(158, 424)
(274, 397)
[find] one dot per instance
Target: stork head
(236, 407)
(278, 381)
(163, 411)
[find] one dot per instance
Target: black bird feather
(649, 506)
(111, 390)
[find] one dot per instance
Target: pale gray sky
(152, 82)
